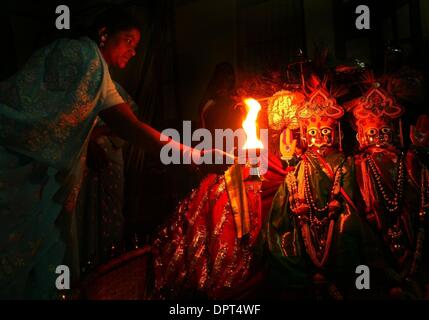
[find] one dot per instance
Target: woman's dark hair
(114, 20)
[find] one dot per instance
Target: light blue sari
(47, 111)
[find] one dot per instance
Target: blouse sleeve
(109, 95)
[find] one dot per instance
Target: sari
(47, 111)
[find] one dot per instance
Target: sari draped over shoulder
(47, 111)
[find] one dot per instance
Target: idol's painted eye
(385, 130)
(326, 131)
(312, 132)
(372, 131)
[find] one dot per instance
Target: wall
(424, 10)
(205, 36)
(319, 25)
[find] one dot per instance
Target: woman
(47, 112)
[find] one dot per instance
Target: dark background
(183, 40)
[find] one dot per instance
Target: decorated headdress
(319, 102)
(320, 108)
(375, 109)
(282, 109)
(282, 118)
(376, 103)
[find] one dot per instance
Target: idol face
(379, 137)
(419, 133)
(376, 134)
(320, 137)
(419, 138)
(321, 133)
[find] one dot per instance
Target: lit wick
(249, 125)
(253, 145)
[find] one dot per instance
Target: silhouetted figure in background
(217, 109)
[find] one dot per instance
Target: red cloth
(199, 249)
(272, 180)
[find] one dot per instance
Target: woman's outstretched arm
(126, 125)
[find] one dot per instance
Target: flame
(249, 125)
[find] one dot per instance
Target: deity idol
(314, 239)
(394, 187)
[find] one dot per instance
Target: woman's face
(120, 47)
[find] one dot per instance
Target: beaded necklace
(424, 194)
(313, 228)
(392, 204)
(424, 205)
(308, 194)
